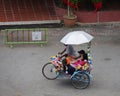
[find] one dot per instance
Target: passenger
(78, 62)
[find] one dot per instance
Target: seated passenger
(78, 62)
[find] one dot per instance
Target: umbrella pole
(89, 44)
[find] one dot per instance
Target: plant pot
(69, 21)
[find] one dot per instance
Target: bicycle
(80, 79)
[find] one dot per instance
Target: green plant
(71, 5)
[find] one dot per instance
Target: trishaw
(80, 79)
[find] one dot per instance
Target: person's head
(65, 44)
(81, 52)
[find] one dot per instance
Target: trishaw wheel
(80, 80)
(49, 71)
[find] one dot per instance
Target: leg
(71, 70)
(64, 64)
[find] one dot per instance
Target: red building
(15, 12)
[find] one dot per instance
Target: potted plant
(97, 4)
(70, 18)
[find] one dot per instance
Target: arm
(62, 51)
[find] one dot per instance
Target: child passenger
(77, 62)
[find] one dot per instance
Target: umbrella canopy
(76, 38)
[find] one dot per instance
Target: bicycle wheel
(49, 71)
(80, 80)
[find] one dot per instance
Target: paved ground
(20, 67)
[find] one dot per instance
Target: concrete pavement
(20, 67)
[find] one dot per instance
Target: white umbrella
(76, 38)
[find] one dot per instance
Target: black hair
(81, 52)
(85, 57)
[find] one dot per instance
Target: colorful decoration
(97, 6)
(72, 3)
(89, 55)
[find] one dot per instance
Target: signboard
(36, 36)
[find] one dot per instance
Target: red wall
(92, 17)
(109, 16)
